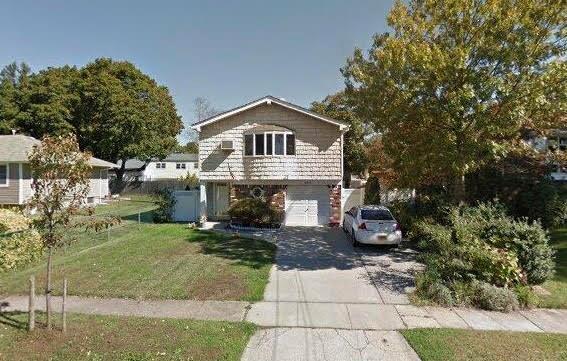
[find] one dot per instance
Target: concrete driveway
(329, 301)
(319, 264)
(320, 280)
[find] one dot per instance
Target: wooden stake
(139, 218)
(31, 307)
(63, 313)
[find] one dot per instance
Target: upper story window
(180, 166)
(3, 175)
(160, 165)
(269, 143)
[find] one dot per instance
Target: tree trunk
(347, 177)
(48, 288)
(459, 189)
(120, 185)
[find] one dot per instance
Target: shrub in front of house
(477, 247)
(20, 244)
(166, 204)
(254, 212)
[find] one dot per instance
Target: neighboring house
(174, 166)
(555, 141)
(275, 150)
(16, 176)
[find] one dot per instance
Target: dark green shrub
(254, 212)
(440, 294)
(526, 296)
(166, 204)
(492, 298)
(372, 190)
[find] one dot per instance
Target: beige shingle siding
(318, 148)
(11, 193)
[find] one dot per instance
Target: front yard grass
(154, 261)
(457, 345)
(124, 338)
(557, 286)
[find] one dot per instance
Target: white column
(203, 202)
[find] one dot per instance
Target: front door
(221, 200)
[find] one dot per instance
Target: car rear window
(376, 215)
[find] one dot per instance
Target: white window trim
(273, 133)
(7, 175)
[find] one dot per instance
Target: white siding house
(274, 149)
(174, 166)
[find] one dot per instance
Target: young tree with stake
(60, 183)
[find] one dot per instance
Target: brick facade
(275, 194)
(335, 199)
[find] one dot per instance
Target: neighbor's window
(180, 166)
(3, 174)
(158, 165)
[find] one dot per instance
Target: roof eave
(268, 100)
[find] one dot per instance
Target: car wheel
(355, 243)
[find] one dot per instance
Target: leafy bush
(254, 212)
(19, 243)
(166, 204)
(372, 190)
(482, 245)
(492, 298)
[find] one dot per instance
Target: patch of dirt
(225, 285)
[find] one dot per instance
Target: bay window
(274, 143)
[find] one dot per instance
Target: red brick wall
(275, 194)
(335, 198)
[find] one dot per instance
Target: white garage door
(307, 205)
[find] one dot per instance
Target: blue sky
(227, 51)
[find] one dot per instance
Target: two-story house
(275, 150)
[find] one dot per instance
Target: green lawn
(124, 338)
(558, 284)
(154, 261)
(457, 345)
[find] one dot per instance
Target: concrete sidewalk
(186, 309)
(367, 316)
(347, 316)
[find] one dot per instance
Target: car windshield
(376, 215)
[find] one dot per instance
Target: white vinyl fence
(186, 206)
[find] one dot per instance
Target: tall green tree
(123, 113)
(455, 81)
(338, 106)
(115, 111)
(14, 80)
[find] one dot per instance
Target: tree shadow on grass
(8, 318)
(145, 217)
(248, 252)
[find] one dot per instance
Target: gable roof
(15, 149)
(268, 99)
